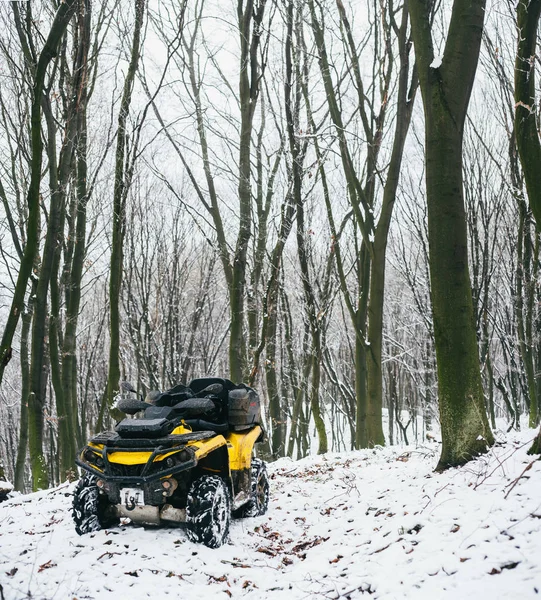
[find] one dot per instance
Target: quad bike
(187, 460)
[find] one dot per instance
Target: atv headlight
(172, 461)
(93, 459)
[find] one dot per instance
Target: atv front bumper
(137, 474)
(141, 461)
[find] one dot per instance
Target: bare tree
(120, 191)
(366, 311)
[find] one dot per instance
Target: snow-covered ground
(377, 523)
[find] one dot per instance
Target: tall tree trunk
(446, 91)
(39, 360)
(405, 101)
(78, 243)
(22, 447)
(250, 17)
(120, 192)
(61, 20)
(315, 326)
(527, 137)
(371, 269)
(361, 350)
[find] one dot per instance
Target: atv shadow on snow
(188, 459)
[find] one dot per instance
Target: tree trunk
(60, 23)
(75, 274)
(446, 92)
(526, 133)
(39, 359)
(22, 447)
(250, 18)
(405, 102)
(529, 147)
(315, 326)
(119, 218)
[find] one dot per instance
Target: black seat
(198, 385)
(173, 396)
(219, 422)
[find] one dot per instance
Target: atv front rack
(114, 440)
(97, 461)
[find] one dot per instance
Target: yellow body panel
(205, 447)
(140, 458)
(240, 446)
(181, 429)
(135, 458)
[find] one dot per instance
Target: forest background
(252, 189)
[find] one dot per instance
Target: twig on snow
(528, 467)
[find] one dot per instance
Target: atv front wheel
(259, 501)
(208, 511)
(91, 510)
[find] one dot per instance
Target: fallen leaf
(46, 565)
(309, 544)
(267, 551)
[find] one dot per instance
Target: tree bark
(528, 145)
(39, 360)
(250, 18)
(527, 136)
(446, 91)
(119, 217)
(526, 133)
(60, 23)
(22, 447)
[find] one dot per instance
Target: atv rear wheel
(208, 511)
(91, 510)
(259, 501)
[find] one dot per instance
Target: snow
(436, 63)
(5, 486)
(376, 522)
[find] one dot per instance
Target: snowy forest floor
(376, 523)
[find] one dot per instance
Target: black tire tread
(208, 511)
(259, 502)
(90, 510)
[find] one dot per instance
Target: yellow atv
(188, 459)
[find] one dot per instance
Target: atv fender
(240, 446)
(212, 458)
(205, 448)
